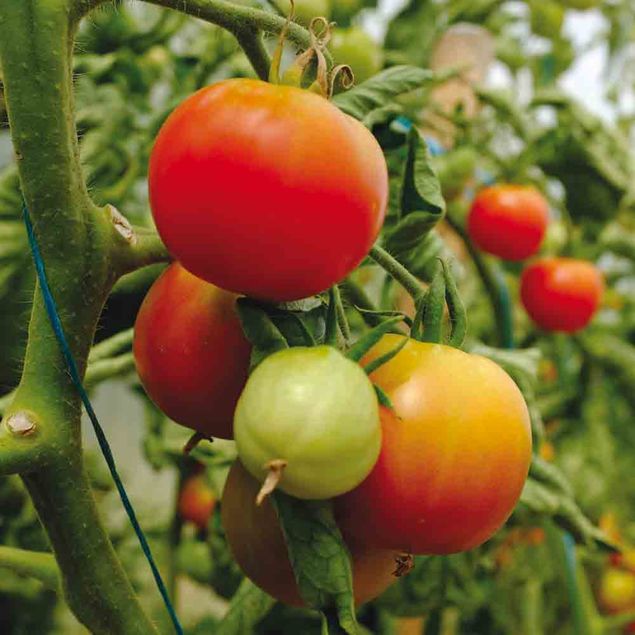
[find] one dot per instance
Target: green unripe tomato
(356, 48)
(306, 10)
(317, 411)
(344, 10)
(581, 5)
(546, 18)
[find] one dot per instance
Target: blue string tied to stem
(56, 323)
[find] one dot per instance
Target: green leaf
(421, 207)
(548, 499)
(319, 557)
(248, 606)
(260, 330)
(377, 93)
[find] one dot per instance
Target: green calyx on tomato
(455, 452)
(308, 419)
(261, 240)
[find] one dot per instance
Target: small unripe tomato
(266, 190)
(617, 590)
(353, 46)
(561, 294)
(581, 5)
(508, 221)
(258, 546)
(196, 501)
(306, 10)
(546, 17)
(315, 410)
(190, 351)
(455, 453)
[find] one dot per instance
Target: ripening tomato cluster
(271, 192)
(510, 221)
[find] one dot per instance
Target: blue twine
(56, 323)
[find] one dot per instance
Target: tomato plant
(561, 294)
(317, 177)
(190, 351)
(317, 412)
(455, 416)
(257, 543)
(508, 221)
(312, 253)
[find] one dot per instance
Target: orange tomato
(196, 501)
(455, 452)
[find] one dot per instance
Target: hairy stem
(40, 436)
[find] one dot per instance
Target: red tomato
(257, 543)
(561, 294)
(196, 501)
(455, 452)
(266, 190)
(190, 351)
(508, 221)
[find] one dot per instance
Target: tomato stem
(395, 269)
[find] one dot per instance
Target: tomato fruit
(581, 5)
(306, 10)
(314, 409)
(191, 355)
(561, 294)
(353, 46)
(196, 501)
(547, 17)
(508, 221)
(258, 546)
(266, 190)
(617, 590)
(455, 453)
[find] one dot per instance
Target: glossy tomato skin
(561, 294)
(314, 409)
(191, 355)
(455, 454)
(196, 501)
(266, 190)
(258, 546)
(508, 221)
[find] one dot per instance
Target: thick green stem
(80, 245)
(94, 584)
